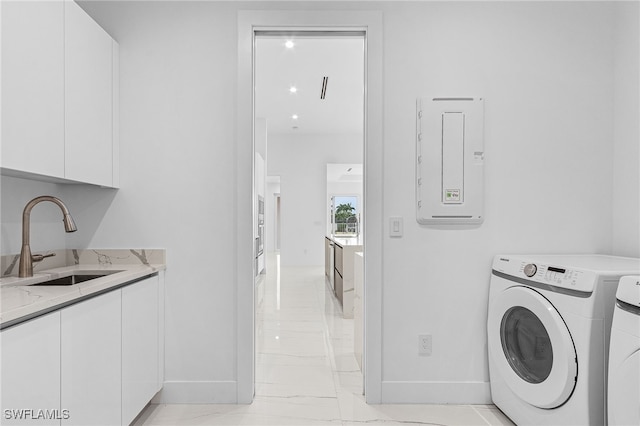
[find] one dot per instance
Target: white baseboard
(436, 392)
(392, 393)
(197, 393)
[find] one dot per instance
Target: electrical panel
(450, 161)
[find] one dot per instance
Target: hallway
(306, 373)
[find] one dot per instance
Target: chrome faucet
(26, 258)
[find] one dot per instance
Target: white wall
(544, 69)
(626, 139)
(177, 131)
(273, 188)
(260, 137)
(301, 162)
(259, 168)
(546, 72)
(47, 230)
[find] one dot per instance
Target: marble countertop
(346, 241)
(20, 301)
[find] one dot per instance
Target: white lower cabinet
(161, 294)
(96, 362)
(30, 372)
(140, 346)
(91, 383)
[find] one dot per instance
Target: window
(345, 215)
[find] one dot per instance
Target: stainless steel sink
(76, 278)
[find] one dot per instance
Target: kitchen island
(342, 273)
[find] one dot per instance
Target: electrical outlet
(424, 345)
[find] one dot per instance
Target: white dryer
(624, 355)
(548, 329)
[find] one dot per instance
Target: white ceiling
(303, 66)
(344, 172)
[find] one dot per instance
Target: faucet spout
(26, 258)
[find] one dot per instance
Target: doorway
(309, 102)
(251, 23)
(309, 115)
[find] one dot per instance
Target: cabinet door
(88, 99)
(91, 364)
(33, 87)
(327, 254)
(115, 100)
(140, 354)
(161, 297)
(30, 372)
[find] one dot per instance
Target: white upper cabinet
(59, 94)
(33, 87)
(88, 99)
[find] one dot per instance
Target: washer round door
(624, 392)
(532, 348)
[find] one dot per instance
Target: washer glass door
(526, 344)
(532, 347)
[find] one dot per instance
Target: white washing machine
(548, 329)
(624, 355)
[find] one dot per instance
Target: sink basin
(76, 278)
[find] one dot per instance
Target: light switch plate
(395, 227)
(425, 344)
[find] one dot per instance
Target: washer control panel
(554, 275)
(629, 290)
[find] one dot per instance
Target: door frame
(277, 231)
(249, 22)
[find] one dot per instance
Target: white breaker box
(449, 161)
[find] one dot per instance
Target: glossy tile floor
(306, 373)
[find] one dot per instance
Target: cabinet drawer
(338, 259)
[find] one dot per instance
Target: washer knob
(530, 269)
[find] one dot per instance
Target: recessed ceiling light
(289, 44)
(294, 116)
(293, 89)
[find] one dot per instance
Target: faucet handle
(41, 257)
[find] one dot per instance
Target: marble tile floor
(306, 373)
